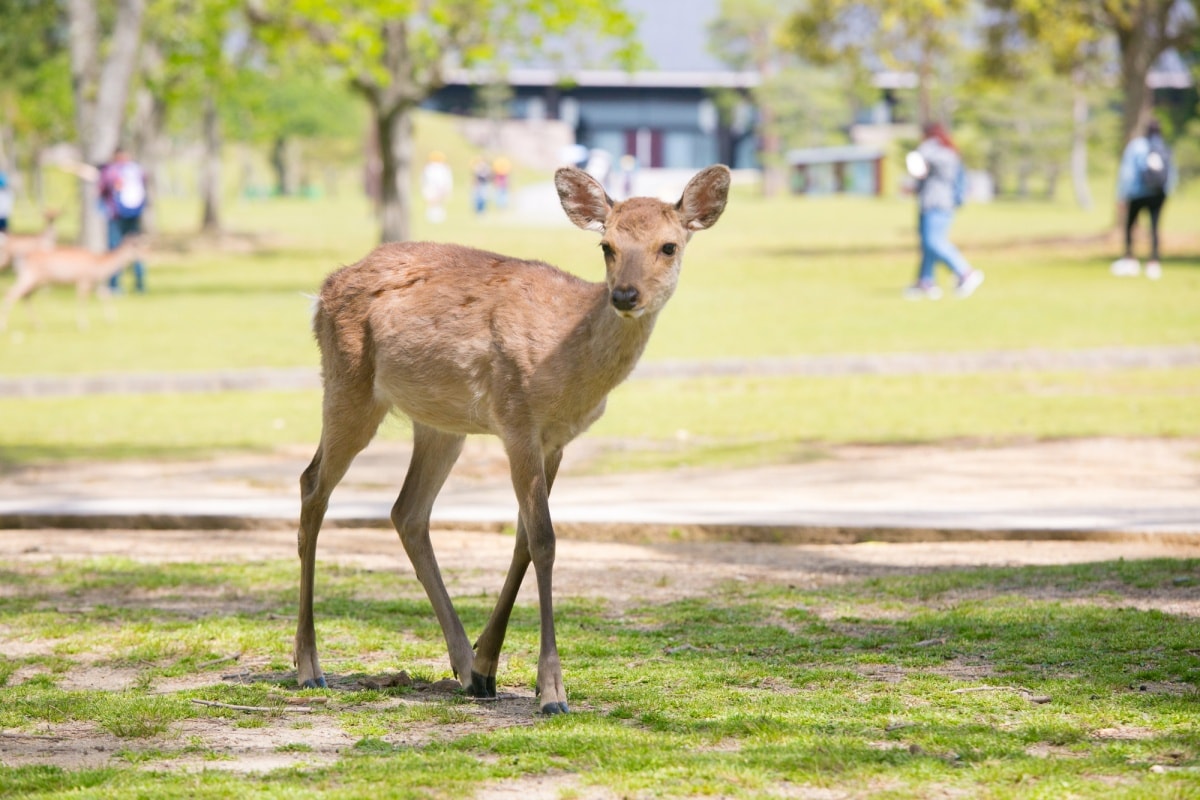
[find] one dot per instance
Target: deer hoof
(481, 685)
(315, 683)
(554, 708)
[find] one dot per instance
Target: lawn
(1040, 681)
(776, 277)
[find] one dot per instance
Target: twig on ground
(268, 709)
(1021, 690)
(222, 660)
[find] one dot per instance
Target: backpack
(1156, 167)
(129, 195)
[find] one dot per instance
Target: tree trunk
(149, 118)
(395, 127)
(210, 168)
(1079, 141)
(100, 91)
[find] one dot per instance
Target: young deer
(464, 341)
(15, 246)
(88, 271)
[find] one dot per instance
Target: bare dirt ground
(623, 573)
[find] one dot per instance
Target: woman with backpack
(938, 170)
(1145, 179)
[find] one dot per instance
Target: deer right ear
(583, 198)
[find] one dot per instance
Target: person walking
(1144, 180)
(437, 184)
(938, 169)
(123, 195)
(6, 202)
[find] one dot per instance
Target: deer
(464, 341)
(15, 246)
(88, 271)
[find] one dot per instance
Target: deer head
(643, 238)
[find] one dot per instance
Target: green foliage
(917, 36)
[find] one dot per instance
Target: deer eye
(668, 249)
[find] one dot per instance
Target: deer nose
(624, 298)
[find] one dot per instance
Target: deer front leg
(487, 648)
(532, 488)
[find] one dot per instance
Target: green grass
(744, 692)
(785, 276)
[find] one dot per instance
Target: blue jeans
(934, 227)
(118, 229)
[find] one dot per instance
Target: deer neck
(609, 344)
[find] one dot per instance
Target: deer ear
(704, 198)
(584, 200)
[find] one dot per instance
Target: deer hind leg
(434, 454)
(82, 291)
(349, 422)
(487, 648)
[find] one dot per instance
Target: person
(1145, 178)
(437, 183)
(481, 176)
(6, 202)
(501, 169)
(938, 169)
(123, 196)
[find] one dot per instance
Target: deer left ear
(583, 198)
(704, 198)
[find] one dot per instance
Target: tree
(917, 36)
(102, 65)
(35, 95)
(745, 35)
(193, 60)
(1062, 37)
(1144, 30)
(395, 54)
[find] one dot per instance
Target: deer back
(470, 341)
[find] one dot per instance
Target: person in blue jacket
(1144, 180)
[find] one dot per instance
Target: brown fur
(465, 341)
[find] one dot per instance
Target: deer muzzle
(625, 298)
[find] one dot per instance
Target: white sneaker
(923, 291)
(1153, 270)
(1126, 268)
(969, 283)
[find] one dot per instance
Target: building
(666, 116)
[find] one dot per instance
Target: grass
(777, 277)
(746, 691)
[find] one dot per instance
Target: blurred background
(279, 140)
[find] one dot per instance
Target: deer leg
(347, 427)
(434, 454)
(532, 489)
(82, 290)
(487, 648)
(104, 295)
(15, 292)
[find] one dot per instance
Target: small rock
(446, 686)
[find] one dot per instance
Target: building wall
(663, 127)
